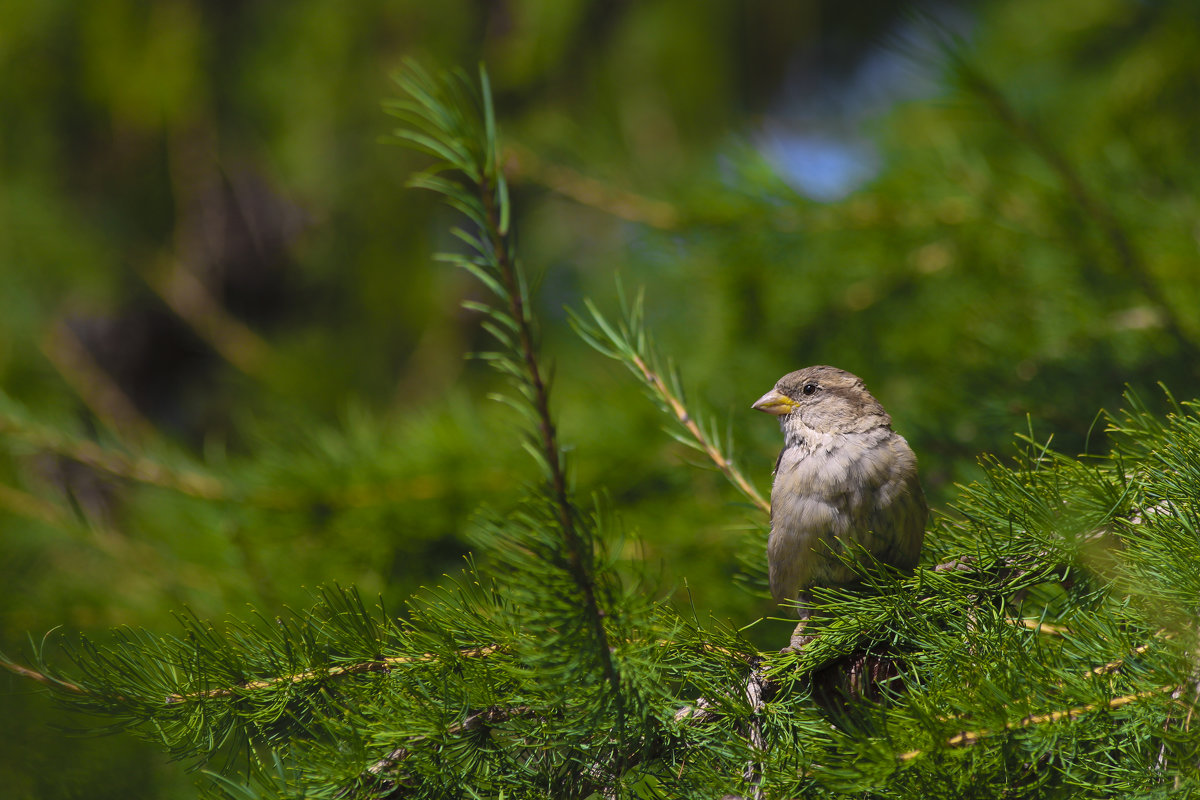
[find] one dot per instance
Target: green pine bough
(1047, 647)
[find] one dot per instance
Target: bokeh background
(232, 372)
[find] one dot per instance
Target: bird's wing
(899, 521)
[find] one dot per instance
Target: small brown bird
(844, 476)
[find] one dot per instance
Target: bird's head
(824, 399)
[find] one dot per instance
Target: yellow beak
(775, 403)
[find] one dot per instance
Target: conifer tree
(1047, 647)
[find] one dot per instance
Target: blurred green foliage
(213, 276)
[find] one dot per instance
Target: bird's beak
(775, 403)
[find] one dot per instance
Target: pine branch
(377, 665)
(27, 505)
(1039, 626)
(58, 684)
(967, 738)
(473, 721)
(629, 343)
(192, 480)
(452, 120)
(96, 456)
(550, 450)
(685, 418)
(1117, 664)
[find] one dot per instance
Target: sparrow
(843, 477)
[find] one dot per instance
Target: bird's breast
(826, 492)
(829, 464)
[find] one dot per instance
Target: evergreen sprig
(452, 120)
(629, 342)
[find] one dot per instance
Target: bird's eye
(809, 388)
